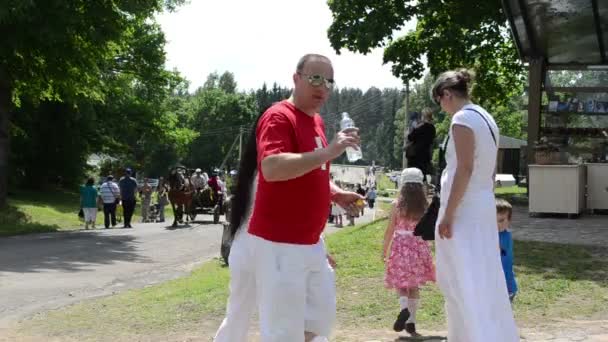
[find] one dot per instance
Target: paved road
(39, 272)
(45, 271)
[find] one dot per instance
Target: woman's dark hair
(241, 201)
(459, 82)
(412, 201)
(90, 181)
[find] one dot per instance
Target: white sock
(412, 306)
(403, 302)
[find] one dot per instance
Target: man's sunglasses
(318, 80)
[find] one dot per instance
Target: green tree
(211, 82)
(450, 34)
(149, 134)
(58, 50)
(218, 118)
(227, 82)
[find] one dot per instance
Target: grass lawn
(39, 212)
(512, 190)
(556, 281)
(513, 194)
(383, 182)
(35, 212)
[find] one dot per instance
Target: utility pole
(406, 120)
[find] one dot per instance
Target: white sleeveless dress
(469, 270)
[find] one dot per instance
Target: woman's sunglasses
(318, 80)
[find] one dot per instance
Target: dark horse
(180, 195)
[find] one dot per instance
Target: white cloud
(261, 41)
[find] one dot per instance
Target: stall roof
(511, 143)
(565, 32)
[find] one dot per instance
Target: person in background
(371, 197)
(419, 147)
(361, 192)
(198, 181)
(146, 200)
(504, 212)
(162, 198)
(110, 195)
(128, 188)
(222, 183)
(337, 212)
(213, 182)
(88, 202)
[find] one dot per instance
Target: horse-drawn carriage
(188, 201)
(207, 201)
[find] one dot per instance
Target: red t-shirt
(212, 182)
(293, 211)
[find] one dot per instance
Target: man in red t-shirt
(295, 284)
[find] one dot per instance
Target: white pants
(295, 288)
(90, 214)
(241, 302)
(319, 299)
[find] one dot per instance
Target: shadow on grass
(60, 200)
(15, 222)
(563, 261)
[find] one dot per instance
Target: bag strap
(487, 123)
(445, 145)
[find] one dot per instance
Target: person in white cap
(409, 263)
(197, 180)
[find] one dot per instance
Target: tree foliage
(71, 52)
(449, 34)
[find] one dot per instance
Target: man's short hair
(504, 207)
(310, 57)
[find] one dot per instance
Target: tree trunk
(5, 106)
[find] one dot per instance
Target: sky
(261, 41)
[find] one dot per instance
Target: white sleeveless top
(481, 186)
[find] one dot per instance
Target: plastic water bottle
(351, 153)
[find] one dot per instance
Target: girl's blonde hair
(412, 200)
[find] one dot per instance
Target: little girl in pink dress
(409, 264)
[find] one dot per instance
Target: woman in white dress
(469, 270)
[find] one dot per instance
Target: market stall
(564, 42)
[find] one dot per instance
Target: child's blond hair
(504, 207)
